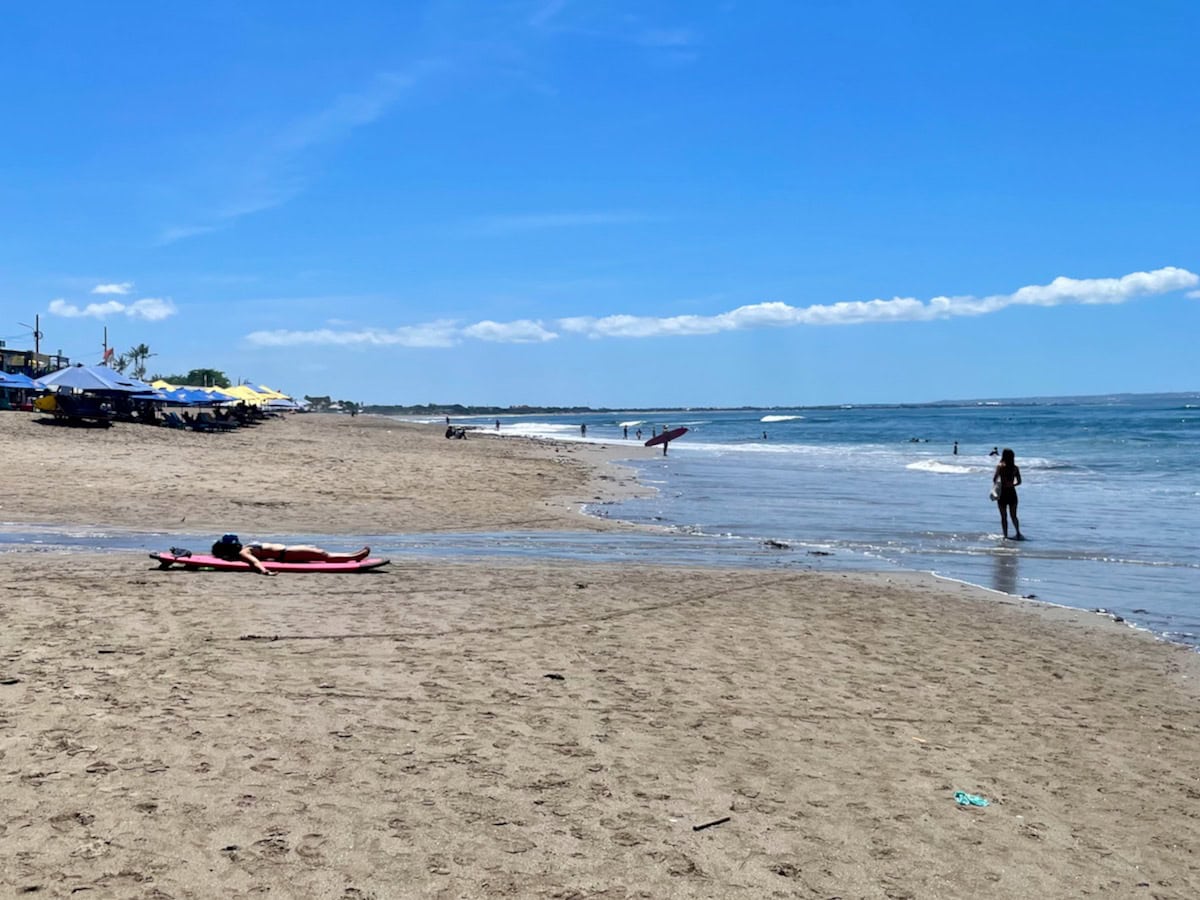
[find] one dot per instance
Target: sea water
(1109, 505)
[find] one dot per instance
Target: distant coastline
(460, 409)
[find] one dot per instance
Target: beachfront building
(29, 362)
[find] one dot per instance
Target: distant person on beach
(583, 430)
(1006, 478)
(639, 434)
(956, 448)
(229, 547)
(497, 424)
(625, 431)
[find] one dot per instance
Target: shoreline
(467, 728)
(569, 475)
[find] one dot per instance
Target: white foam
(941, 468)
(542, 429)
(779, 418)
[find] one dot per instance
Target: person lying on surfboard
(230, 547)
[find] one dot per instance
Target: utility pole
(37, 337)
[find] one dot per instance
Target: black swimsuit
(1008, 492)
(280, 555)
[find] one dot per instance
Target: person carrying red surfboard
(665, 437)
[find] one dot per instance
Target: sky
(617, 204)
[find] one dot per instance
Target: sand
(466, 729)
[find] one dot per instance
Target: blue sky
(611, 204)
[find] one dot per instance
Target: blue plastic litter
(962, 798)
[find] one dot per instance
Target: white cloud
(123, 288)
(522, 331)
(1193, 295)
(599, 22)
(1060, 291)
(67, 310)
(432, 334)
(775, 314)
(181, 232)
(278, 167)
(150, 309)
(346, 113)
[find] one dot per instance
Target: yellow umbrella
(271, 393)
(164, 385)
(247, 393)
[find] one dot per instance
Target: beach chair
(81, 411)
(207, 422)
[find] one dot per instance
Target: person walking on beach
(1005, 479)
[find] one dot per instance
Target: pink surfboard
(200, 561)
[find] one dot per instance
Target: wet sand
(543, 729)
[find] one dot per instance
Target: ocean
(1110, 504)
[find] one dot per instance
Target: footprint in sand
(309, 848)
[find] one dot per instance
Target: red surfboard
(666, 436)
(200, 561)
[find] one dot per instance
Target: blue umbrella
(94, 378)
(195, 396)
(18, 380)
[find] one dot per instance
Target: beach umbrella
(94, 378)
(164, 385)
(19, 380)
(218, 395)
(245, 392)
(197, 396)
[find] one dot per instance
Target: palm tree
(119, 363)
(138, 356)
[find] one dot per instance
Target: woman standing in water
(1006, 478)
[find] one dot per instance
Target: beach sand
(325, 474)
(544, 729)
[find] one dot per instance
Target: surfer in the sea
(231, 548)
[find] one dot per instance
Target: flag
(107, 355)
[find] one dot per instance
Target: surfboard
(201, 561)
(666, 436)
